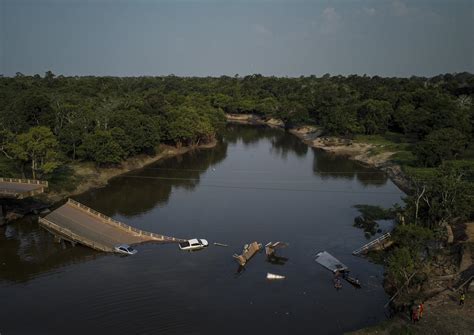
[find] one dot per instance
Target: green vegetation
(441, 196)
(49, 123)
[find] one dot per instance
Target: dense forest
(51, 120)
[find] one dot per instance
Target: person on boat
(337, 283)
(462, 298)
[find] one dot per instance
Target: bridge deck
(81, 224)
(21, 188)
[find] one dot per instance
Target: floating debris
(249, 251)
(220, 244)
(330, 262)
(272, 276)
(270, 247)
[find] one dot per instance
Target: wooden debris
(270, 247)
(249, 251)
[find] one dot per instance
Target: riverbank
(361, 152)
(84, 176)
(439, 317)
(91, 176)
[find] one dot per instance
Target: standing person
(415, 314)
(461, 299)
(422, 307)
(410, 309)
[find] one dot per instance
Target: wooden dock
(21, 188)
(78, 223)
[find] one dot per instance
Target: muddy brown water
(258, 184)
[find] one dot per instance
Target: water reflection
(245, 133)
(140, 191)
(28, 251)
(329, 166)
(282, 144)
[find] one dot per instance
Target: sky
(228, 37)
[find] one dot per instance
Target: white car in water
(125, 249)
(193, 244)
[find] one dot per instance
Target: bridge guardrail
(123, 226)
(24, 181)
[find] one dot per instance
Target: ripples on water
(258, 184)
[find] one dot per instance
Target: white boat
(272, 276)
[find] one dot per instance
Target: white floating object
(273, 276)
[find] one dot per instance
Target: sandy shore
(253, 119)
(360, 152)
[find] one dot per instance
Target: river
(257, 184)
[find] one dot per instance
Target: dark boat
(353, 281)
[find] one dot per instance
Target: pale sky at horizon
(213, 38)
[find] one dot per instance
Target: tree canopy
(136, 114)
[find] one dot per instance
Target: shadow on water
(277, 260)
(29, 251)
(329, 166)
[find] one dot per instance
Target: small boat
(353, 281)
(272, 276)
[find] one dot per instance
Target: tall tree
(39, 147)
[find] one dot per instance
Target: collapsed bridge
(13, 188)
(78, 223)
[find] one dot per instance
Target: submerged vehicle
(125, 249)
(193, 244)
